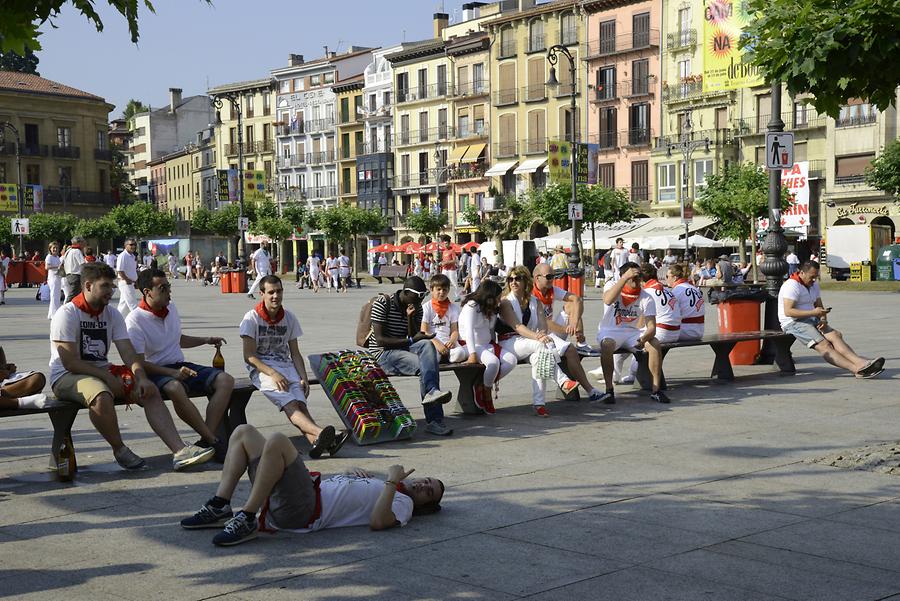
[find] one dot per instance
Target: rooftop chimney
(441, 21)
(295, 60)
(174, 98)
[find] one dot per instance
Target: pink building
(623, 110)
(157, 184)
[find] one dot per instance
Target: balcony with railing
(848, 180)
(623, 43)
(800, 120)
(535, 92)
(817, 168)
(314, 125)
(536, 146)
(370, 148)
(606, 140)
(321, 192)
(65, 152)
(506, 149)
(536, 43)
(421, 179)
(688, 89)
(478, 130)
(65, 196)
(506, 97)
(424, 136)
(32, 150)
(471, 88)
(319, 158)
(291, 161)
(103, 154)
(418, 93)
(284, 129)
(717, 137)
(681, 39)
(565, 88)
(507, 49)
(466, 171)
(638, 137)
(858, 119)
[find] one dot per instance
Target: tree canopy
(344, 221)
(426, 222)
(52, 226)
(600, 204)
(833, 50)
(133, 107)
(884, 173)
(26, 62)
(141, 219)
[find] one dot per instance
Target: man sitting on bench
(802, 314)
(293, 498)
(19, 390)
(625, 303)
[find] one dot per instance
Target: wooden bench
(722, 345)
(391, 272)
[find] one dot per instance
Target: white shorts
(667, 335)
(626, 338)
(279, 398)
(691, 331)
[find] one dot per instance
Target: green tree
(344, 222)
(833, 50)
(52, 227)
(141, 220)
(133, 107)
(22, 19)
(6, 236)
(20, 63)
(738, 196)
(511, 216)
(201, 221)
(884, 173)
(102, 229)
(426, 222)
(295, 214)
(118, 178)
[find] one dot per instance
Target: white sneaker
(629, 379)
(597, 373)
(437, 396)
(191, 455)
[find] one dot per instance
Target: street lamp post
(553, 56)
(438, 169)
(234, 100)
(20, 189)
(686, 146)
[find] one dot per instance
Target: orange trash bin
(239, 281)
(741, 316)
(575, 284)
(225, 281)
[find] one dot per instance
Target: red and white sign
(796, 217)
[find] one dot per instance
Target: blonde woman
(54, 282)
(523, 331)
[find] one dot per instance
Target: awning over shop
(501, 168)
(456, 154)
(531, 165)
(473, 153)
(603, 234)
(667, 226)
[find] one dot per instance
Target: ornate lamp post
(686, 146)
(234, 99)
(575, 271)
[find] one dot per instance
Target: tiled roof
(32, 84)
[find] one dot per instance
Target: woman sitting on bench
(19, 389)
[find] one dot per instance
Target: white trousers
(255, 287)
(127, 298)
(55, 284)
(494, 367)
(526, 348)
(454, 287)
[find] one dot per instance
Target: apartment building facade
(350, 133)
(64, 135)
(623, 108)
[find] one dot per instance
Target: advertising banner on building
(796, 217)
(34, 197)
(229, 184)
(559, 157)
(254, 186)
(588, 163)
(723, 66)
(9, 200)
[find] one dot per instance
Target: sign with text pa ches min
(796, 217)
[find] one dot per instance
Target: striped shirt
(393, 320)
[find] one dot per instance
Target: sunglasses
(515, 278)
(419, 293)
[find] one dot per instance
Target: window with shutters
(345, 146)
(345, 110)
(763, 111)
(640, 30)
(442, 124)
(478, 119)
(402, 86)
(722, 118)
(507, 42)
(640, 73)
(423, 126)
(606, 83)
(536, 36)
(566, 129)
(568, 29)
(462, 123)
(463, 86)
(852, 169)
(639, 124)
(423, 84)
(404, 129)
(478, 84)
(442, 80)
(640, 188)
(607, 37)
(536, 80)
(564, 75)
(507, 93)
(607, 127)
(537, 132)
(507, 130)
(423, 168)
(607, 175)
(404, 170)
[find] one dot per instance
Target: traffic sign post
(19, 227)
(576, 211)
(779, 150)
(243, 224)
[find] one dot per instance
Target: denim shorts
(806, 331)
(200, 384)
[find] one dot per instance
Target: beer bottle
(218, 360)
(65, 461)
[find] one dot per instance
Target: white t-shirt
(635, 258)
(617, 316)
(792, 259)
(52, 261)
(73, 260)
(111, 259)
(669, 260)
(314, 265)
(127, 264)
(667, 310)
(349, 500)
(689, 299)
(440, 326)
(344, 263)
(619, 258)
(804, 298)
(331, 264)
(261, 260)
(271, 340)
(474, 328)
(158, 339)
(93, 336)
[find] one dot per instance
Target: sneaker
(597, 373)
(568, 386)
(869, 375)
(437, 396)
(872, 368)
(208, 517)
(586, 350)
(239, 529)
(339, 441)
(127, 459)
(629, 379)
(438, 428)
(541, 411)
(489, 406)
(323, 442)
(479, 396)
(660, 397)
(595, 395)
(607, 398)
(250, 296)
(191, 455)
(220, 448)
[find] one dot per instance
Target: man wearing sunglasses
(402, 349)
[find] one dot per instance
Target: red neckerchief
(440, 307)
(401, 488)
(161, 313)
(262, 312)
(90, 258)
(80, 302)
(78, 246)
(545, 298)
(629, 295)
(680, 281)
(653, 284)
(796, 277)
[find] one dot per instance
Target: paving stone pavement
(711, 497)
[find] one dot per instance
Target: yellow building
(350, 122)
(257, 100)
(64, 135)
(525, 112)
(171, 184)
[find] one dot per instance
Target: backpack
(364, 325)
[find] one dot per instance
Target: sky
(191, 45)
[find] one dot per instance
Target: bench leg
(237, 411)
(466, 395)
(722, 364)
(62, 420)
(783, 357)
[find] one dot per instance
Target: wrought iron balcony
(623, 43)
(65, 152)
